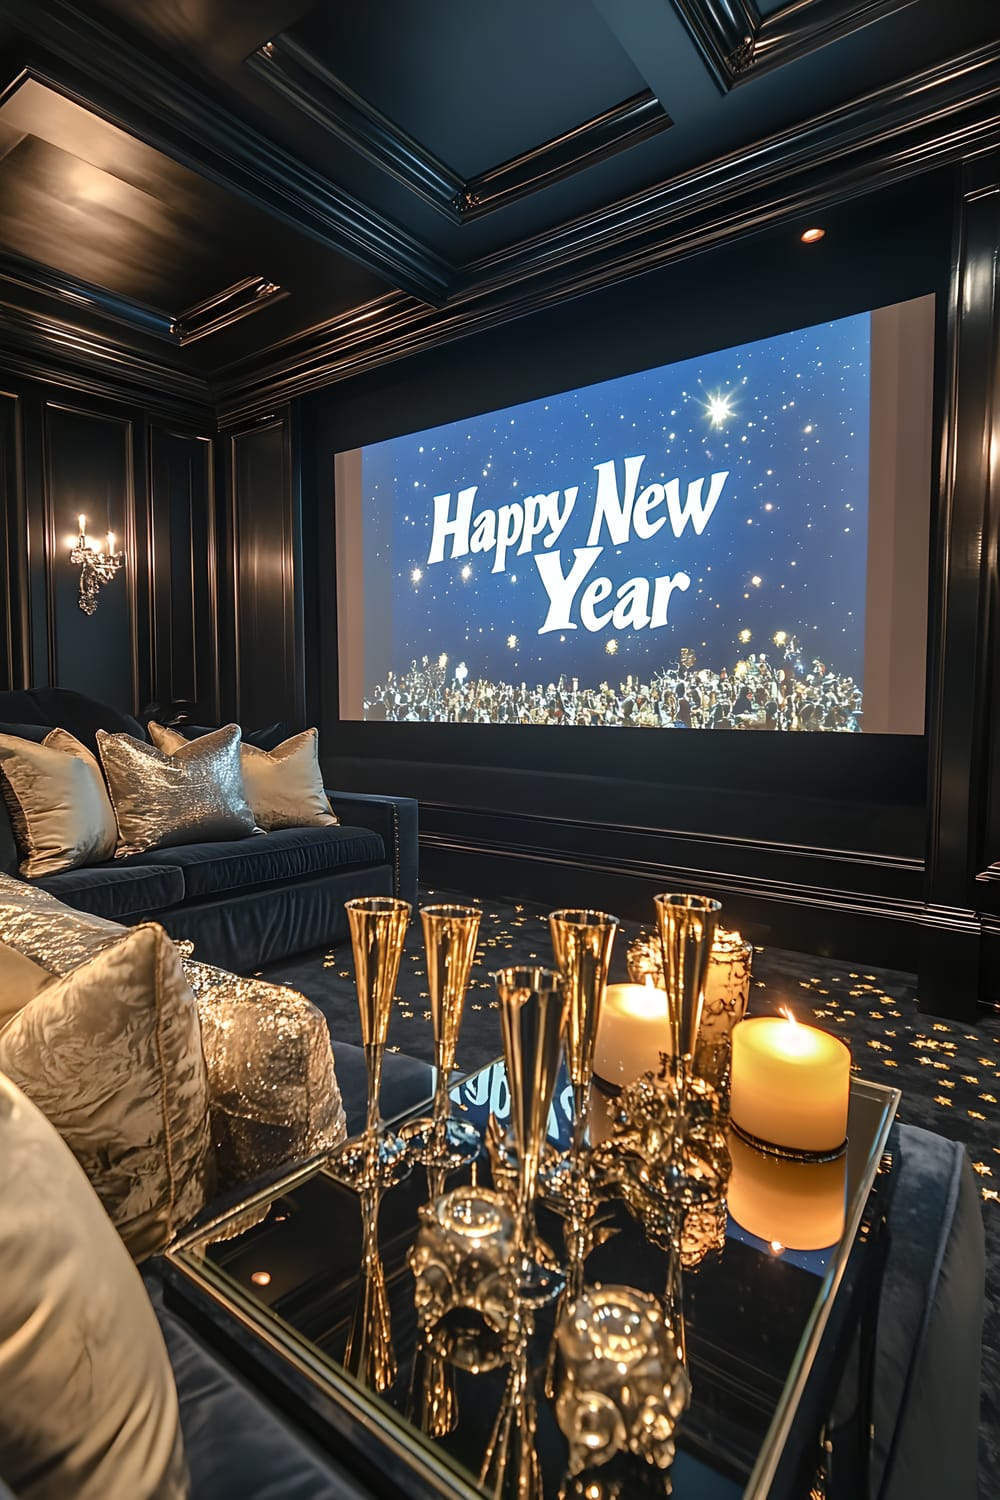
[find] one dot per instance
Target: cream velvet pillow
(192, 795)
(58, 804)
(111, 1053)
(284, 786)
(89, 1405)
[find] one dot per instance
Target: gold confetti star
(982, 1169)
(990, 1195)
(944, 1102)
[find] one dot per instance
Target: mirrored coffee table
(280, 1286)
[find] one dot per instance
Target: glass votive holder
(623, 1385)
(461, 1258)
(727, 994)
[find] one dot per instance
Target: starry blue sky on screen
(783, 549)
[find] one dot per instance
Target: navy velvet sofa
(246, 902)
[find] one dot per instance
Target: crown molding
(30, 276)
(304, 81)
(103, 71)
(617, 129)
(738, 43)
(934, 118)
(295, 73)
(41, 347)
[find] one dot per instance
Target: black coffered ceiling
(297, 178)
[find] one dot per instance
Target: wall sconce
(96, 567)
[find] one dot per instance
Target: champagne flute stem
(442, 1105)
(581, 1110)
(373, 1062)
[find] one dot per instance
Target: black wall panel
(88, 469)
(184, 572)
(15, 642)
(265, 545)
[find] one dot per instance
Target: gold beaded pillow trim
(284, 786)
(192, 796)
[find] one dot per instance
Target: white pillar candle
(790, 1084)
(631, 1033)
(793, 1205)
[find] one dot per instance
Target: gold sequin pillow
(194, 795)
(58, 804)
(111, 1053)
(284, 786)
(272, 1084)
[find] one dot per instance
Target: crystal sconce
(96, 566)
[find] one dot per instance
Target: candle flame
(788, 1015)
(648, 982)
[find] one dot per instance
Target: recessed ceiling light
(261, 1278)
(810, 236)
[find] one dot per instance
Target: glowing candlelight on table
(790, 1084)
(631, 1033)
(792, 1205)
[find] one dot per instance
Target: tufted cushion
(89, 1405)
(285, 855)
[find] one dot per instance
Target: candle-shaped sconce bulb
(111, 544)
(83, 525)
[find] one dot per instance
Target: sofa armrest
(395, 819)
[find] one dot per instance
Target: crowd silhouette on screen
(779, 691)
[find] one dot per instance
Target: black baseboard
(943, 947)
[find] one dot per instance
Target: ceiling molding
(303, 80)
(223, 309)
(929, 120)
(46, 348)
(738, 43)
(617, 129)
(102, 70)
(30, 276)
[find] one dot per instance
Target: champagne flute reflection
(511, 1466)
(368, 1354)
(533, 1020)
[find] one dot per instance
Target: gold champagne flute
(687, 930)
(378, 931)
(582, 941)
(450, 934)
(533, 1022)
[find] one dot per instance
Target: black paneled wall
(264, 558)
(153, 635)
